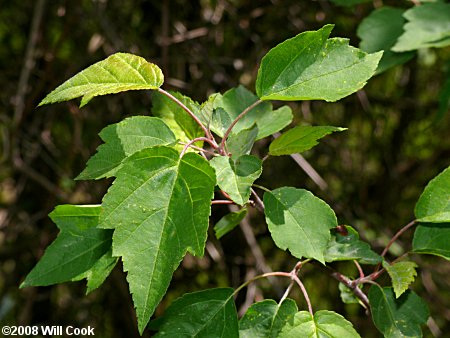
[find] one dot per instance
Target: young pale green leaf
(178, 120)
(299, 139)
(265, 319)
(236, 177)
(440, 217)
(433, 239)
(400, 317)
(117, 73)
(380, 31)
(435, 198)
(242, 143)
(81, 250)
(159, 206)
(208, 313)
(402, 274)
(323, 324)
(312, 67)
(350, 247)
(428, 26)
(124, 139)
(299, 221)
(226, 107)
(229, 222)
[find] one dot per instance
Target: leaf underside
(159, 206)
(117, 73)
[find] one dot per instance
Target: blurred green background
(374, 172)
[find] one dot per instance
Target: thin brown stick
(191, 142)
(222, 202)
(396, 236)
(354, 287)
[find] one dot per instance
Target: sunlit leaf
(323, 324)
(312, 67)
(428, 26)
(402, 274)
(159, 206)
(117, 73)
(124, 139)
(299, 221)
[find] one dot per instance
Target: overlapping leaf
(208, 313)
(124, 139)
(159, 206)
(323, 324)
(236, 177)
(178, 120)
(265, 319)
(229, 222)
(402, 274)
(81, 250)
(347, 294)
(428, 26)
(299, 221)
(224, 109)
(312, 67)
(350, 247)
(241, 143)
(433, 239)
(299, 139)
(117, 73)
(380, 31)
(400, 317)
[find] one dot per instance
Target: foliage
(159, 203)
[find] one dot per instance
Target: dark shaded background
(374, 172)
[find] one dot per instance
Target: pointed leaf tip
(117, 73)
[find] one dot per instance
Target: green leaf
(312, 67)
(402, 274)
(299, 139)
(159, 206)
(349, 2)
(380, 31)
(324, 324)
(208, 313)
(265, 319)
(350, 247)
(347, 294)
(299, 221)
(81, 250)
(236, 177)
(124, 139)
(435, 198)
(242, 143)
(433, 239)
(428, 26)
(178, 120)
(117, 73)
(400, 317)
(229, 222)
(440, 217)
(228, 106)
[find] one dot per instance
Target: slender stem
(305, 294)
(353, 285)
(396, 236)
(187, 110)
(286, 293)
(222, 202)
(198, 148)
(261, 187)
(191, 142)
(259, 203)
(360, 270)
(236, 120)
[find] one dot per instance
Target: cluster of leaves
(169, 168)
